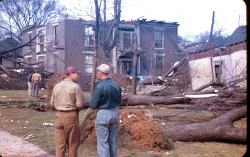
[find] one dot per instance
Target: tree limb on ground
(218, 129)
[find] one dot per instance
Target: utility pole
(211, 32)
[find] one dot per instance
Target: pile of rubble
(17, 79)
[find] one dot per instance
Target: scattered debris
(48, 124)
(29, 136)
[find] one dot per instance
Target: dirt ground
(135, 128)
(13, 146)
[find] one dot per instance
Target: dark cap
(71, 70)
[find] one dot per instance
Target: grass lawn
(21, 96)
(18, 96)
(25, 122)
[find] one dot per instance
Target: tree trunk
(134, 70)
(174, 68)
(218, 129)
(134, 100)
(157, 81)
(97, 10)
(135, 58)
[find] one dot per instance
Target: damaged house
(71, 43)
(223, 63)
(159, 41)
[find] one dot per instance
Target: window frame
(30, 37)
(162, 56)
(91, 34)
(55, 35)
(156, 30)
(122, 39)
(44, 62)
(88, 53)
(41, 32)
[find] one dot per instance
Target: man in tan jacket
(67, 98)
(36, 79)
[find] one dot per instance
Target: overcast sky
(194, 16)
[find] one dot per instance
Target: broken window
(128, 40)
(89, 35)
(89, 63)
(219, 71)
(159, 38)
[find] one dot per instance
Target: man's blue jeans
(106, 127)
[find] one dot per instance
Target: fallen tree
(135, 100)
(218, 129)
(213, 102)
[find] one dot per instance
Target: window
(219, 71)
(55, 32)
(89, 63)
(159, 62)
(42, 59)
(41, 32)
(89, 36)
(159, 37)
(126, 41)
(55, 29)
(29, 40)
(41, 40)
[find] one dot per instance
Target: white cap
(104, 68)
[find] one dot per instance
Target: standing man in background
(106, 97)
(36, 79)
(67, 98)
(30, 83)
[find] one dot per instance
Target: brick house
(71, 42)
(157, 38)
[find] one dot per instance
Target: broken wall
(233, 67)
(200, 72)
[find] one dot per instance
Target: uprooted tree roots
(135, 130)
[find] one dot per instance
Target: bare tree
(106, 32)
(18, 14)
(108, 37)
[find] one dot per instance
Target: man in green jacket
(106, 97)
